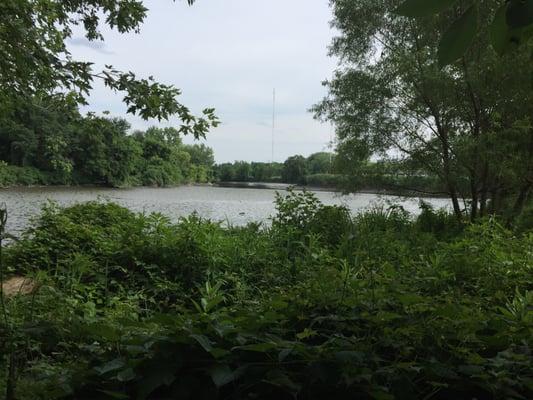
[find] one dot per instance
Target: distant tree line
(52, 143)
(296, 170)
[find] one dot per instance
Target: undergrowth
(321, 304)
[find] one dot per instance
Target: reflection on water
(233, 205)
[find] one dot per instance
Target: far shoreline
(236, 185)
(285, 186)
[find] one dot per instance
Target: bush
(524, 222)
(440, 223)
(11, 175)
(331, 224)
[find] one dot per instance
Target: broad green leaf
(458, 38)
(349, 356)
(471, 370)
(204, 342)
(113, 365)
(219, 353)
(381, 395)
(114, 395)
(519, 13)
(222, 374)
(126, 375)
(422, 8)
(280, 379)
(307, 333)
(258, 347)
(499, 31)
(283, 354)
(158, 378)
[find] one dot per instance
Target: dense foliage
(509, 27)
(320, 304)
(469, 124)
(35, 60)
(51, 143)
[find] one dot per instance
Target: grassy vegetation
(320, 304)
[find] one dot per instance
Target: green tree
(243, 171)
(320, 163)
(103, 153)
(225, 172)
(294, 170)
(201, 155)
(38, 133)
(391, 98)
(34, 59)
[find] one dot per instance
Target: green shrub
(11, 175)
(331, 224)
(524, 222)
(440, 223)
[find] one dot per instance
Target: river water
(236, 206)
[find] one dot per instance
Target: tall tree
(294, 170)
(391, 98)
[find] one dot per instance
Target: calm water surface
(233, 205)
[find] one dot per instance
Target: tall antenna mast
(273, 121)
(331, 151)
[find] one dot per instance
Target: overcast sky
(230, 54)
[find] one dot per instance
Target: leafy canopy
(34, 58)
(512, 24)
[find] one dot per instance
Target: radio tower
(273, 121)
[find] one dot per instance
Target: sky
(230, 55)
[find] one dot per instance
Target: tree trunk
(455, 202)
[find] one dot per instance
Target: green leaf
(499, 31)
(158, 378)
(283, 354)
(349, 356)
(519, 13)
(409, 299)
(307, 333)
(381, 395)
(280, 379)
(204, 342)
(222, 374)
(113, 365)
(458, 38)
(114, 395)
(422, 8)
(258, 347)
(126, 375)
(104, 331)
